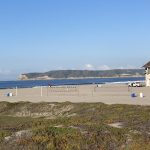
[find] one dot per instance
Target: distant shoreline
(76, 78)
(82, 74)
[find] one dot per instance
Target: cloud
(89, 67)
(106, 67)
(103, 67)
(5, 72)
(127, 67)
(92, 67)
(7, 75)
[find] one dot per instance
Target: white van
(135, 84)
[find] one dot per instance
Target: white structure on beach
(147, 73)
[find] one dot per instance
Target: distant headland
(77, 74)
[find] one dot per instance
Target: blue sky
(43, 35)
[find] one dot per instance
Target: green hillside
(86, 73)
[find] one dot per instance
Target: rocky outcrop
(23, 77)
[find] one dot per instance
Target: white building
(147, 73)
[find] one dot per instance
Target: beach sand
(108, 94)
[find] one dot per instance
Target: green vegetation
(87, 73)
(74, 126)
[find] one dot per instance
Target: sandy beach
(108, 94)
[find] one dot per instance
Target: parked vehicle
(136, 84)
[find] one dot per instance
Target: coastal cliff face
(23, 77)
(77, 74)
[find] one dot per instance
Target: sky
(44, 35)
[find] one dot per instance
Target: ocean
(34, 83)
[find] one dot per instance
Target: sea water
(34, 83)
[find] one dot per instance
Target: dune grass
(89, 127)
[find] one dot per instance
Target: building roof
(147, 65)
